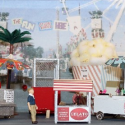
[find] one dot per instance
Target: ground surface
(24, 119)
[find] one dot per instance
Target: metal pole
(89, 102)
(124, 79)
(56, 107)
(57, 14)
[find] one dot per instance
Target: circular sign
(79, 114)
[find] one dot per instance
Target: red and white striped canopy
(73, 85)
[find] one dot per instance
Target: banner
(60, 25)
(75, 24)
(17, 21)
(28, 25)
(45, 25)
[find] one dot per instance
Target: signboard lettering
(60, 25)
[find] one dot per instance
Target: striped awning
(73, 85)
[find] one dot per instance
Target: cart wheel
(100, 115)
(6, 117)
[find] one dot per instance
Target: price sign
(84, 73)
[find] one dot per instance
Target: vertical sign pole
(89, 102)
(57, 55)
(87, 99)
(34, 72)
(56, 107)
(124, 79)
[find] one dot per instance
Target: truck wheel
(100, 115)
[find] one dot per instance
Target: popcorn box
(99, 74)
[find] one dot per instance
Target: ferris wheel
(114, 24)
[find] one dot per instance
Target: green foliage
(31, 52)
(15, 37)
(96, 14)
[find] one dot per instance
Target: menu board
(9, 96)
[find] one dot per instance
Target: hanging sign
(60, 25)
(17, 21)
(96, 23)
(46, 25)
(84, 73)
(28, 25)
(74, 24)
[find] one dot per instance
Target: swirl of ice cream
(95, 52)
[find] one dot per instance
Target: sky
(43, 10)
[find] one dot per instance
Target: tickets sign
(46, 25)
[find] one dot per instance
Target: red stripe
(97, 77)
(76, 72)
(95, 90)
(74, 85)
(79, 70)
(66, 82)
(72, 88)
(78, 80)
(94, 79)
(98, 69)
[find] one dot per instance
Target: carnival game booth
(73, 113)
(44, 72)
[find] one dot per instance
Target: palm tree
(12, 38)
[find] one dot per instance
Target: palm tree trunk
(9, 71)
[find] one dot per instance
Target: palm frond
(3, 37)
(8, 34)
(24, 39)
(24, 33)
(15, 33)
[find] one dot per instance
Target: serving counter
(73, 113)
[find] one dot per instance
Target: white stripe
(95, 79)
(73, 84)
(79, 73)
(72, 87)
(75, 80)
(94, 84)
(104, 71)
(102, 77)
(95, 76)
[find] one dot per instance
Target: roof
(73, 85)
